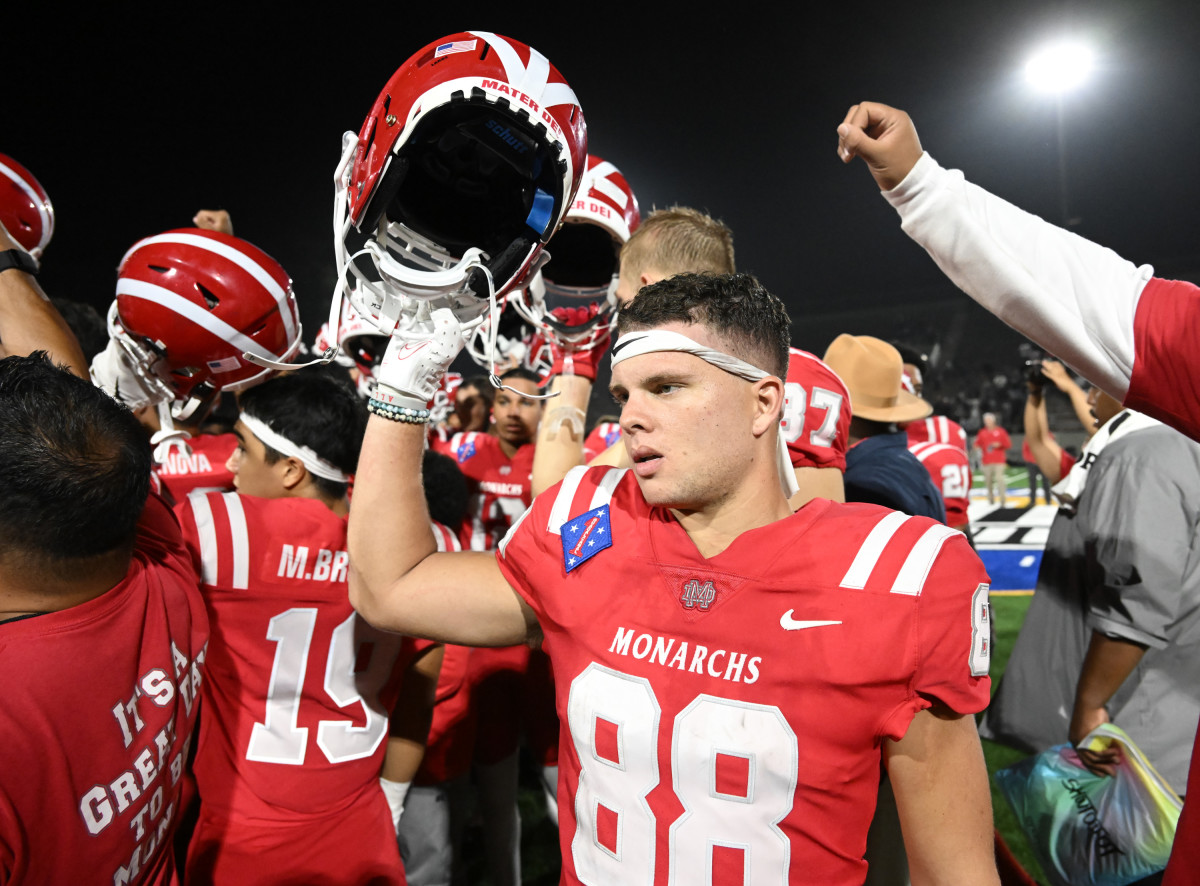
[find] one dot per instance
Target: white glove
(395, 792)
(412, 370)
(112, 371)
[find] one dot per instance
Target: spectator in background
(993, 444)
(879, 467)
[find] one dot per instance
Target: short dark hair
(74, 465)
(314, 410)
(85, 321)
(735, 306)
(521, 373)
(446, 490)
(480, 383)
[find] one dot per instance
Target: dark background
(134, 117)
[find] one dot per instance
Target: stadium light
(1059, 67)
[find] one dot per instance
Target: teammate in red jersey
(102, 630)
(816, 427)
(674, 599)
(297, 709)
(1125, 330)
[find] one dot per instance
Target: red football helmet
(463, 170)
(25, 208)
(583, 265)
(190, 303)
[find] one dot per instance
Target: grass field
(1008, 611)
(539, 838)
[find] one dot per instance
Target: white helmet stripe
(514, 71)
(600, 181)
(536, 75)
(34, 197)
(195, 313)
(559, 94)
(243, 261)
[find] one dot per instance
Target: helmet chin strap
(168, 436)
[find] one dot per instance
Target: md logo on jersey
(586, 536)
(696, 595)
(465, 451)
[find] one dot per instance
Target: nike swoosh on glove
(411, 371)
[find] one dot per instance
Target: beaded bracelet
(398, 413)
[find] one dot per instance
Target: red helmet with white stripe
(462, 171)
(583, 265)
(25, 208)
(190, 303)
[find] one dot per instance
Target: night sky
(132, 121)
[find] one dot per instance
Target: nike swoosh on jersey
(790, 624)
(621, 344)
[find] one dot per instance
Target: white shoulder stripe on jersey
(561, 512)
(243, 261)
(911, 579)
(207, 536)
(512, 530)
(240, 538)
(872, 547)
(193, 312)
(604, 491)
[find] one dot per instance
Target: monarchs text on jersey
(726, 715)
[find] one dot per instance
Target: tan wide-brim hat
(872, 370)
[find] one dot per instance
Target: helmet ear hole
(209, 298)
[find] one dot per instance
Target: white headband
(284, 446)
(648, 341)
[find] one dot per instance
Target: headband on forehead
(281, 444)
(647, 341)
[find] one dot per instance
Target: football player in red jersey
(673, 599)
(1125, 330)
(102, 630)
(296, 716)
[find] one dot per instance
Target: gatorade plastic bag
(1092, 829)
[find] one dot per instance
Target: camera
(1031, 367)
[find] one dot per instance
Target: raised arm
(28, 320)
(398, 580)
(564, 423)
(1047, 454)
(940, 779)
(1058, 375)
(1072, 297)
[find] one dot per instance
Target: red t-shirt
(298, 699)
(679, 687)
(950, 471)
(99, 706)
(816, 413)
(202, 466)
(995, 444)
